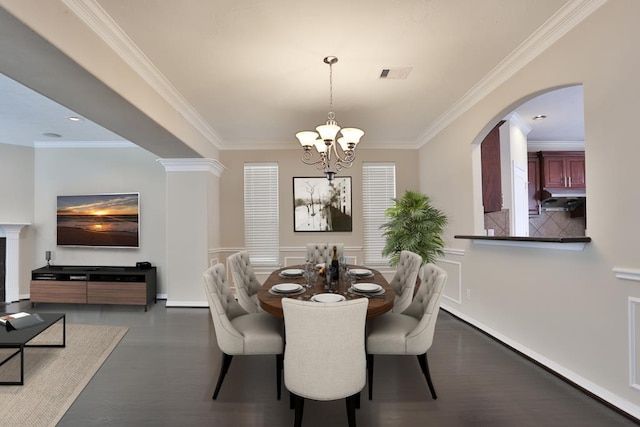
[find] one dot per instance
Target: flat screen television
(99, 220)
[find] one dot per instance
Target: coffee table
(18, 339)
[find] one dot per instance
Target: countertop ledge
(526, 239)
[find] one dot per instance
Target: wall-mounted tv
(101, 220)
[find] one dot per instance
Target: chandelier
(326, 156)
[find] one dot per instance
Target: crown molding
(193, 165)
(570, 15)
(516, 120)
(555, 145)
(84, 144)
(101, 23)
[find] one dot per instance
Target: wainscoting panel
(634, 341)
(453, 288)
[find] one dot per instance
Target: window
(261, 224)
(378, 192)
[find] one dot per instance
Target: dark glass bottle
(335, 266)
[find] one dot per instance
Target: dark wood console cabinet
(94, 285)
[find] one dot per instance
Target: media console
(94, 285)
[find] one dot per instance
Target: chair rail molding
(627, 273)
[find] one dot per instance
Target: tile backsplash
(547, 224)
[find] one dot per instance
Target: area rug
(54, 377)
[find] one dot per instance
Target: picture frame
(110, 220)
(320, 205)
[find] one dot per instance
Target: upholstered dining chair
(325, 356)
(239, 332)
(404, 281)
(247, 285)
(321, 252)
(410, 332)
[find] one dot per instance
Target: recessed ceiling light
(52, 134)
(539, 117)
(74, 118)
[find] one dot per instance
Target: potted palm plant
(414, 225)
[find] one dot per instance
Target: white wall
(16, 201)
(565, 308)
(67, 171)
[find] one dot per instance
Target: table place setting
(361, 273)
(368, 290)
(292, 272)
(286, 289)
(327, 297)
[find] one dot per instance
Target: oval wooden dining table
(272, 304)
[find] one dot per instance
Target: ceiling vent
(395, 73)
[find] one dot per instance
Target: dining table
(271, 301)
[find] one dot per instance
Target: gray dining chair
(410, 332)
(404, 280)
(325, 355)
(323, 252)
(239, 332)
(247, 285)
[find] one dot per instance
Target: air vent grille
(395, 73)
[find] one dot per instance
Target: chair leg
(299, 408)
(424, 365)
(226, 362)
(351, 410)
(279, 366)
(370, 374)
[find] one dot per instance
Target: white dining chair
(404, 280)
(410, 332)
(239, 332)
(323, 252)
(247, 284)
(325, 355)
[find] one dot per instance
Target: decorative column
(191, 221)
(12, 282)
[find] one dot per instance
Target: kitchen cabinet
(562, 169)
(533, 183)
(491, 174)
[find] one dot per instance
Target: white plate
(361, 272)
(319, 266)
(367, 287)
(286, 288)
(328, 298)
(292, 272)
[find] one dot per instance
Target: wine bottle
(335, 266)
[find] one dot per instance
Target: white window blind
(378, 192)
(261, 220)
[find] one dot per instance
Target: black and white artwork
(322, 205)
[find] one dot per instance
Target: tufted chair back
(321, 252)
(238, 332)
(324, 358)
(404, 281)
(424, 308)
(245, 280)
(224, 308)
(410, 332)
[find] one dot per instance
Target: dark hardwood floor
(163, 373)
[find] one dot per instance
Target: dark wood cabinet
(563, 169)
(533, 171)
(491, 171)
(94, 285)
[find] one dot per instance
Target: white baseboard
(605, 395)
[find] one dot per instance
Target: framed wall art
(322, 205)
